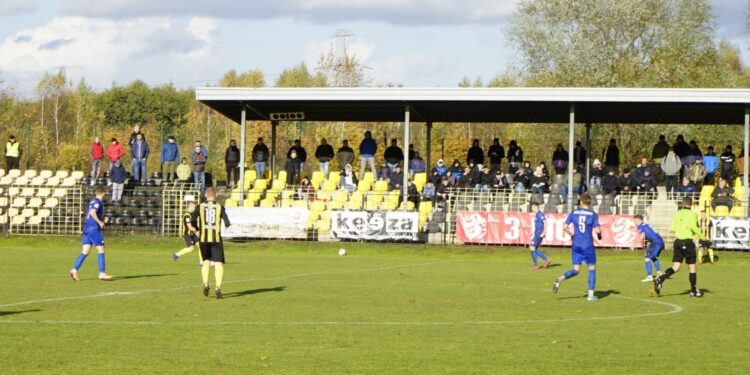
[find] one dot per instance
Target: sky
(416, 43)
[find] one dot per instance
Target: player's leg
(592, 280)
(710, 255)
(205, 267)
(577, 260)
(680, 252)
(532, 251)
(217, 255)
(102, 264)
(539, 254)
(86, 249)
(649, 275)
(189, 246)
(693, 271)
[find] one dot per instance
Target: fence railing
(40, 209)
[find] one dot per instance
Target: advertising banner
(730, 233)
(376, 226)
(258, 222)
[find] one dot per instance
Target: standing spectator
(412, 153)
(117, 175)
(345, 155)
(671, 166)
(203, 149)
(475, 154)
(367, 149)
(393, 155)
(597, 173)
(696, 174)
(293, 168)
(560, 159)
(348, 179)
(139, 153)
(324, 154)
(232, 163)
(260, 157)
(396, 179)
(13, 152)
(170, 156)
(722, 195)
(681, 149)
(612, 156)
(515, 157)
(727, 165)
(711, 162)
(496, 153)
(134, 135)
(114, 153)
(301, 155)
(579, 157)
(183, 170)
(641, 169)
(741, 166)
(694, 154)
(416, 165)
(660, 150)
(96, 154)
(199, 160)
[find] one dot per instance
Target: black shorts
(190, 239)
(684, 250)
(214, 251)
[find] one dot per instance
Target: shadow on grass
(601, 294)
(687, 292)
(254, 291)
(143, 276)
(4, 313)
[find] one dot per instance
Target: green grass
(298, 308)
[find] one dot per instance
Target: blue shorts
(536, 240)
(581, 255)
(93, 239)
(654, 249)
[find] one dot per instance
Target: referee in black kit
(686, 230)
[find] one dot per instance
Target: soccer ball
(342, 252)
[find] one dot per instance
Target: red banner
(516, 228)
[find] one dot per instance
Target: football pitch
(298, 308)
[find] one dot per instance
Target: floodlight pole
(429, 146)
(243, 122)
(745, 163)
(588, 153)
(571, 145)
(405, 169)
(273, 149)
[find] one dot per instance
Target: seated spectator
(306, 190)
(396, 179)
(626, 183)
(467, 179)
(184, 171)
(597, 173)
(545, 171)
(686, 188)
(641, 169)
(416, 165)
(384, 173)
(722, 195)
(485, 180)
(348, 179)
(455, 171)
(539, 182)
(440, 169)
(609, 183)
(118, 176)
(441, 191)
(500, 182)
(522, 178)
(412, 194)
(428, 191)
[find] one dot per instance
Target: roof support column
(273, 149)
(745, 162)
(428, 147)
(404, 190)
(243, 120)
(571, 145)
(588, 154)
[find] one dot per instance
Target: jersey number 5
(582, 224)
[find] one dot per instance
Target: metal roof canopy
(489, 105)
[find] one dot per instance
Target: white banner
(377, 226)
(730, 233)
(257, 222)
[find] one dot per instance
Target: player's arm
(544, 227)
(92, 214)
(568, 223)
(194, 219)
(597, 228)
(225, 218)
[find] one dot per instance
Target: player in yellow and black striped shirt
(189, 235)
(208, 217)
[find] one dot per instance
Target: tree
(341, 67)
(250, 78)
(299, 76)
(54, 88)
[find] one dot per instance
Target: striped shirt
(209, 216)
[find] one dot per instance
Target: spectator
(609, 183)
(134, 135)
(671, 166)
(301, 154)
(199, 160)
(170, 156)
(441, 192)
(384, 173)
(522, 178)
(626, 183)
(345, 155)
(741, 166)
(475, 172)
(114, 153)
(500, 182)
(681, 149)
(204, 154)
(686, 188)
(467, 179)
(260, 157)
(306, 190)
(711, 162)
(597, 173)
(455, 173)
(396, 179)
(496, 153)
(439, 171)
(293, 168)
(96, 154)
(232, 163)
(612, 156)
(722, 195)
(117, 175)
(579, 157)
(641, 169)
(660, 150)
(324, 154)
(485, 180)
(412, 153)
(539, 181)
(694, 154)
(183, 170)
(428, 191)
(198, 143)
(544, 169)
(348, 179)
(139, 153)
(560, 159)
(696, 174)
(416, 165)
(393, 155)
(475, 154)
(412, 194)
(515, 157)
(13, 152)
(727, 165)
(647, 185)
(367, 150)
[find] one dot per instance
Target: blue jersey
(650, 233)
(90, 225)
(584, 221)
(538, 223)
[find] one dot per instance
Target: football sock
(711, 255)
(533, 257)
(693, 280)
(205, 269)
(700, 255)
(669, 272)
(184, 251)
(657, 265)
(570, 273)
(648, 267)
(79, 261)
(100, 261)
(592, 280)
(540, 255)
(218, 273)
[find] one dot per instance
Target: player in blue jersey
(92, 236)
(584, 222)
(540, 230)
(654, 248)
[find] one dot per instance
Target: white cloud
(414, 68)
(14, 7)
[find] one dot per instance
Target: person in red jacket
(96, 154)
(114, 153)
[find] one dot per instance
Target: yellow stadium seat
(420, 178)
(281, 176)
(381, 186)
(6, 180)
(287, 194)
(35, 220)
(254, 195)
(18, 220)
(335, 205)
(59, 192)
(260, 185)
(53, 181)
(425, 206)
(27, 192)
(323, 195)
(364, 186)
(340, 196)
(43, 192)
(369, 177)
(13, 191)
(35, 202)
(37, 181)
(353, 205)
(419, 185)
(18, 202)
(21, 181)
(27, 212)
(300, 204)
(267, 203)
(68, 182)
(334, 176)
(737, 211)
(249, 202)
(323, 225)
(230, 202)
(707, 190)
(318, 206)
(409, 205)
(2, 172)
(329, 186)
(371, 205)
(721, 211)
(44, 212)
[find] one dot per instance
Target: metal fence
(174, 204)
(40, 209)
